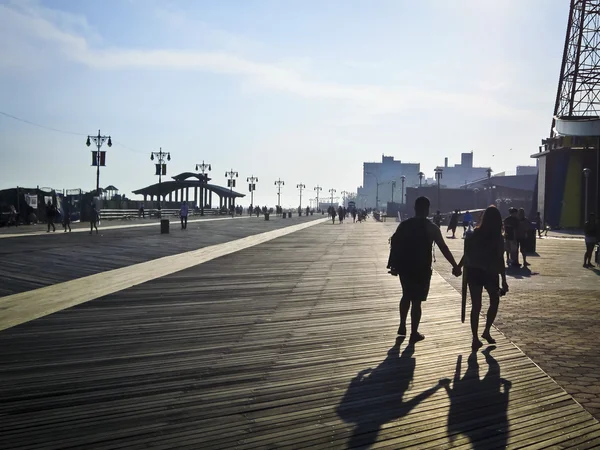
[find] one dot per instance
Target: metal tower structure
(578, 94)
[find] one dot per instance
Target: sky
(299, 90)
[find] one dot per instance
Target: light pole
(231, 176)
(393, 189)
(586, 175)
(279, 183)
(376, 191)
(344, 195)
(421, 175)
(300, 187)
(161, 169)
(332, 191)
(489, 175)
(317, 190)
(252, 187)
(438, 176)
(403, 178)
(98, 157)
(202, 168)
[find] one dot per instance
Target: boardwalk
(287, 344)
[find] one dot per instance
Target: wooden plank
(287, 344)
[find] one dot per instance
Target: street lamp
(586, 175)
(421, 175)
(377, 190)
(317, 190)
(300, 187)
(161, 169)
(252, 187)
(202, 168)
(438, 176)
(231, 176)
(98, 157)
(403, 178)
(279, 183)
(344, 195)
(489, 175)
(332, 191)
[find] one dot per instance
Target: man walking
(410, 258)
(184, 215)
(50, 215)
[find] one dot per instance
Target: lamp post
(393, 189)
(332, 191)
(403, 178)
(231, 176)
(376, 191)
(421, 175)
(344, 195)
(98, 159)
(317, 190)
(438, 176)
(586, 175)
(300, 187)
(279, 183)
(252, 187)
(202, 168)
(489, 175)
(161, 169)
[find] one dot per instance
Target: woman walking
(484, 261)
(590, 229)
(94, 218)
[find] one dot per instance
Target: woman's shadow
(375, 396)
(478, 407)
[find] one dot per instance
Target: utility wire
(61, 131)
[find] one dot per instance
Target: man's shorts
(415, 286)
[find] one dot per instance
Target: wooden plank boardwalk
(31, 262)
(288, 344)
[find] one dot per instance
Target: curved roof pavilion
(178, 189)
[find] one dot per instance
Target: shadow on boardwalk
(478, 406)
(375, 396)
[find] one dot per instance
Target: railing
(114, 214)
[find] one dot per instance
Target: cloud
(69, 35)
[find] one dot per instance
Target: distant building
(527, 170)
(460, 174)
(383, 174)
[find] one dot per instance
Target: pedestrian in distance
(94, 218)
(66, 218)
(183, 213)
(523, 231)
(467, 220)
(483, 260)
(539, 224)
(50, 216)
(410, 259)
(511, 224)
(590, 230)
(437, 219)
(341, 214)
(453, 223)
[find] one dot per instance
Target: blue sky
(299, 89)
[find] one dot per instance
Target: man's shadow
(375, 396)
(478, 407)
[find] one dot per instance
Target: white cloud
(69, 35)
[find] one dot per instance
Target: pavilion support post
(170, 196)
(187, 194)
(195, 196)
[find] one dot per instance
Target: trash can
(311, 213)
(290, 215)
(284, 215)
(164, 226)
(267, 216)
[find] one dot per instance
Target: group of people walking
(483, 262)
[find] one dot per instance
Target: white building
(378, 178)
(460, 174)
